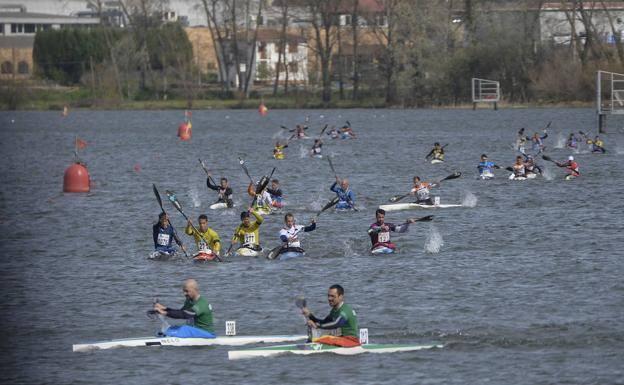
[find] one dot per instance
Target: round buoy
(185, 131)
(76, 179)
(263, 110)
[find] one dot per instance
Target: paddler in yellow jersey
(437, 152)
(278, 150)
(597, 145)
(247, 234)
(205, 237)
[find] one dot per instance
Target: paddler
(379, 232)
(196, 311)
(263, 198)
(300, 131)
(224, 190)
(572, 168)
(341, 321)
(334, 133)
(247, 234)
(289, 233)
(206, 238)
(317, 147)
(572, 141)
(538, 142)
(346, 197)
(421, 190)
(485, 167)
(346, 132)
(521, 140)
(437, 152)
(278, 150)
(597, 145)
(277, 198)
(530, 167)
(164, 235)
(518, 168)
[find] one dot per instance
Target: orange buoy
(76, 179)
(185, 131)
(263, 110)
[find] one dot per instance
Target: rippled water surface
(523, 288)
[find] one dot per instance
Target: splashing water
(303, 152)
(469, 199)
(194, 195)
(560, 141)
(434, 241)
(547, 173)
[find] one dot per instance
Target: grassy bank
(54, 98)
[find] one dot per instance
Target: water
(522, 286)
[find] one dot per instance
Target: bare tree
(355, 22)
(281, 55)
(617, 35)
(219, 33)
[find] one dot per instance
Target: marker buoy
(76, 179)
(185, 131)
(263, 110)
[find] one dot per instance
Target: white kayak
(570, 177)
(160, 255)
(316, 348)
(411, 206)
(515, 177)
(177, 341)
(244, 251)
(219, 206)
(486, 175)
(382, 250)
(436, 161)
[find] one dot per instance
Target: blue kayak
(290, 253)
(382, 250)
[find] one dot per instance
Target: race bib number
(250, 238)
(383, 237)
(422, 193)
(202, 245)
(163, 239)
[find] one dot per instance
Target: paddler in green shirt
(341, 318)
(196, 310)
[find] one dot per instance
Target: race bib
(250, 238)
(202, 245)
(383, 237)
(422, 193)
(163, 239)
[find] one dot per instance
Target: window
(22, 67)
(6, 68)
(262, 50)
(29, 28)
(211, 66)
(260, 20)
(281, 67)
(293, 67)
(17, 28)
(292, 47)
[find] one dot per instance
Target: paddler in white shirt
(289, 233)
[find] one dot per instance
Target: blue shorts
(187, 331)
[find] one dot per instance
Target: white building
(267, 56)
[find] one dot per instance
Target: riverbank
(55, 98)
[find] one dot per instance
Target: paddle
(323, 131)
(163, 210)
(454, 175)
(331, 165)
(203, 165)
(427, 218)
(176, 204)
(548, 158)
(242, 163)
(301, 303)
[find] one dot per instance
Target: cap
(570, 157)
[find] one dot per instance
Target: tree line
(408, 52)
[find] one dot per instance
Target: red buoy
(185, 131)
(263, 110)
(76, 179)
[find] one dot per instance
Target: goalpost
(609, 96)
(485, 91)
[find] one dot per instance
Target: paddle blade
(428, 218)
(331, 165)
(454, 175)
(397, 198)
(173, 200)
(274, 252)
(329, 204)
(300, 302)
(548, 158)
(158, 197)
(509, 169)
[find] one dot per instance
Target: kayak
(177, 341)
(409, 206)
(245, 251)
(486, 175)
(159, 254)
(514, 177)
(263, 210)
(318, 156)
(436, 161)
(382, 250)
(286, 253)
(204, 256)
(531, 175)
(570, 177)
(344, 209)
(220, 205)
(316, 348)
(279, 156)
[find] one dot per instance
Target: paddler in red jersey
(341, 321)
(572, 168)
(379, 232)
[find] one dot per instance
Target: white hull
(246, 252)
(486, 176)
(219, 206)
(176, 341)
(436, 161)
(514, 177)
(315, 348)
(411, 206)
